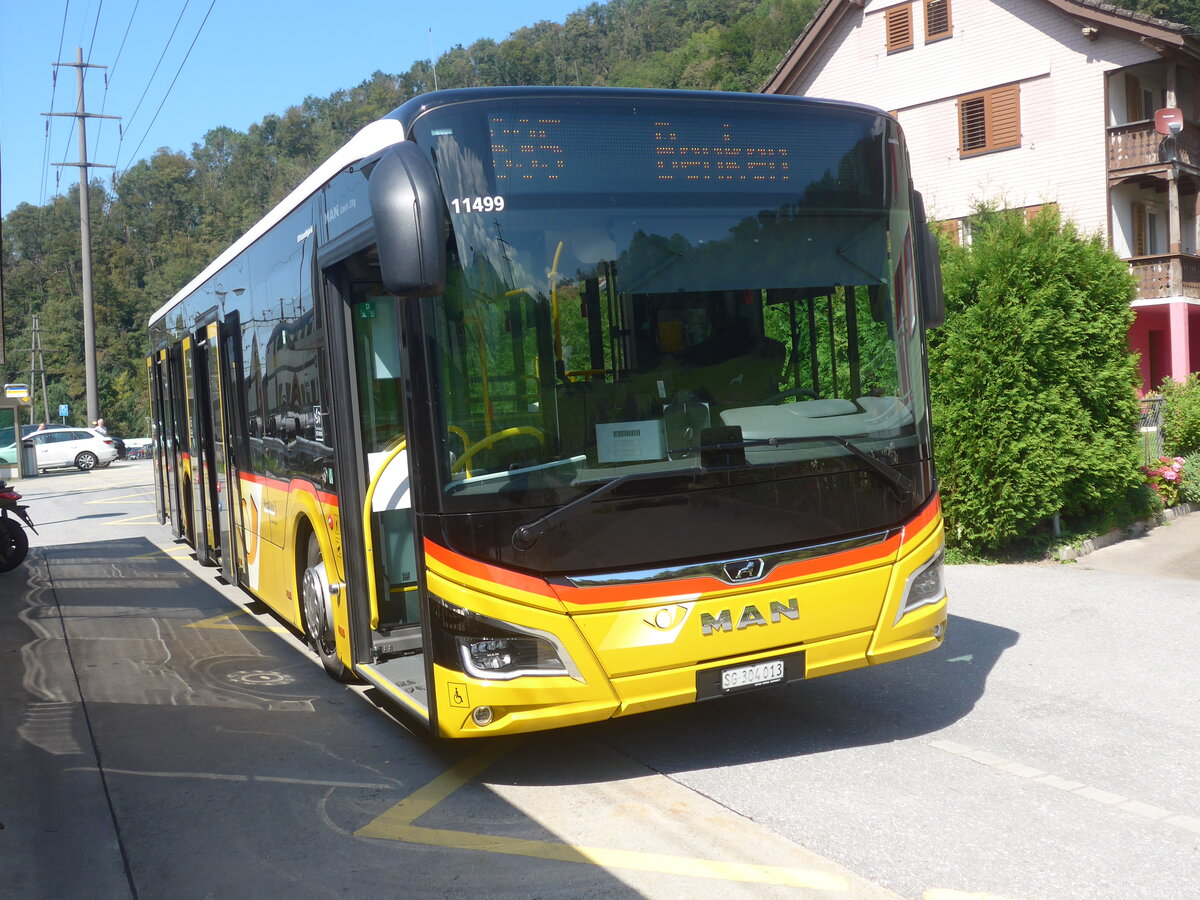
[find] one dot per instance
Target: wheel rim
(314, 594)
(86, 461)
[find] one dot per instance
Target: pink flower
(1170, 475)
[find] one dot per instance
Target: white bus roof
(371, 139)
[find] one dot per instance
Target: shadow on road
(923, 695)
(876, 705)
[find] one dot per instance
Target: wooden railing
(1138, 144)
(1167, 275)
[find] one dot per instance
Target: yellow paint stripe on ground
(222, 622)
(614, 859)
(422, 801)
(132, 520)
(169, 553)
(125, 498)
(396, 825)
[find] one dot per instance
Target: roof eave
(789, 70)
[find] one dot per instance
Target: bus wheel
(318, 611)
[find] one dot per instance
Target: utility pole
(37, 366)
(85, 231)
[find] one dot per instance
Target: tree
(1032, 382)
(1183, 12)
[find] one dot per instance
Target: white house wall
(1064, 112)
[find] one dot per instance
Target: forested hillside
(162, 220)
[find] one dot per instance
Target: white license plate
(749, 676)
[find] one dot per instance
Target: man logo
(744, 570)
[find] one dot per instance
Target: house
(1029, 102)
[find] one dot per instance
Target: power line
(111, 72)
(173, 80)
(133, 115)
(53, 88)
(95, 28)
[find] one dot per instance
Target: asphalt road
(160, 741)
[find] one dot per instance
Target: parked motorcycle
(14, 543)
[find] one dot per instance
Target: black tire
(317, 630)
(86, 461)
(14, 545)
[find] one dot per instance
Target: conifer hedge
(1032, 381)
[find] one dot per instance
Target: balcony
(1138, 146)
(1166, 275)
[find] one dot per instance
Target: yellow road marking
(123, 499)
(129, 520)
(222, 622)
(169, 553)
(396, 824)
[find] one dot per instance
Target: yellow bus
(540, 406)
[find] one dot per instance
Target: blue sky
(251, 58)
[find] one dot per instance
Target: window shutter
(972, 118)
(1139, 229)
(1005, 117)
(990, 120)
(937, 19)
(898, 22)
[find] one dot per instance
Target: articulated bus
(539, 406)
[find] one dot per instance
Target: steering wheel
(491, 440)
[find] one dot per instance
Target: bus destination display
(534, 153)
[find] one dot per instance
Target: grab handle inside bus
(409, 222)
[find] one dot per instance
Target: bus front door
(380, 546)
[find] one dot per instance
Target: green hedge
(1181, 416)
(1032, 382)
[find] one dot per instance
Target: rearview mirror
(409, 222)
(929, 267)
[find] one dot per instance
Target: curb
(1069, 554)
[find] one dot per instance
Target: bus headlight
(489, 649)
(925, 586)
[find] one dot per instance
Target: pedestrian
(99, 423)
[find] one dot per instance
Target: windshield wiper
(899, 482)
(526, 535)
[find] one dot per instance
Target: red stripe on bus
(924, 518)
(880, 553)
(487, 572)
(296, 484)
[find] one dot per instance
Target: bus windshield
(691, 290)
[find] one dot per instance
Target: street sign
(62, 410)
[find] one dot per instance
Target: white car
(8, 455)
(58, 447)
